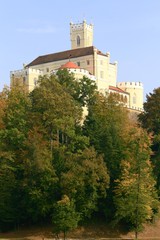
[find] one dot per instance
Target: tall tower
(81, 35)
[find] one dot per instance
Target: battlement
(80, 26)
(83, 72)
(79, 71)
(130, 85)
(26, 71)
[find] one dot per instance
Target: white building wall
(135, 89)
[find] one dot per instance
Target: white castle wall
(25, 78)
(135, 89)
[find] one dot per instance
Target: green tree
(107, 126)
(150, 120)
(3, 104)
(8, 186)
(65, 217)
(39, 178)
(82, 90)
(13, 135)
(56, 110)
(84, 179)
(15, 119)
(86, 91)
(135, 196)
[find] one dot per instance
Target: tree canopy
(64, 169)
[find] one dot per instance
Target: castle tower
(81, 35)
(135, 90)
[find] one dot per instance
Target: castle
(83, 60)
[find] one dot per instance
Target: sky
(128, 29)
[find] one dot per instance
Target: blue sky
(128, 29)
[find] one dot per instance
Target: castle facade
(83, 59)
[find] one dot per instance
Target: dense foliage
(150, 120)
(58, 167)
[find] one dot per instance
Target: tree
(24, 157)
(56, 110)
(13, 135)
(65, 217)
(84, 179)
(8, 186)
(39, 178)
(150, 120)
(135, 196)
(107, 126)
(82, 90)
(3, 104)
(15, 119)
(86, 91)
(103, 126)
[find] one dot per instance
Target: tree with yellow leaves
(135, 196)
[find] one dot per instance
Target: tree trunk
(57, 137)
(136, 234)
(64, 235)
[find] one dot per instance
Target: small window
(78, 41)
(78, 63)
(47, 69)
(88, 62)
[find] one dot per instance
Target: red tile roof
(116, 89)
(69, 65)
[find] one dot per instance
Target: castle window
(78, 64)
(78, 41)
(47, 69)
(88, 62)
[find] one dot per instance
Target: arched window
(78, 41)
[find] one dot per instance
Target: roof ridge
(72, 53)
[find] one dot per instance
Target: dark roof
(62, 55)
(78, 52)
